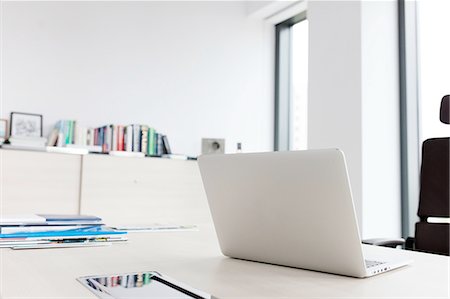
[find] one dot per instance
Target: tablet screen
(139, 285)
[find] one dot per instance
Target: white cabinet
(38, 182)
(121, 190)
(137, 191)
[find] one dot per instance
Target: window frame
(283, 80)
(409, 115)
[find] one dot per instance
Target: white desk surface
(194, 258)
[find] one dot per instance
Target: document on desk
(156, 228)
(149, 284)
(61, 245)
(21, 219)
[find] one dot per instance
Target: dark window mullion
(282, 86)
(283, 81)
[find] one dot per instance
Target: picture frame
(4, 129)
(25, 125)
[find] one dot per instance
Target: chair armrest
(384, 242)
(410, 243)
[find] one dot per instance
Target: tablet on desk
(140, 285)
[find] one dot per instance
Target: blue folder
(87, 231)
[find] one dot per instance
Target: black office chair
(434, 196)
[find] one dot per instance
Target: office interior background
(363, 76)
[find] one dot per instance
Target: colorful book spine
(159, 145)
(144, 139)
(120, 137)
(136, 138)
(90, 137)
(66, 131)
(129, 138)
(108, 138)
(60, 140)
(166, 146)
(71, 132)
(96, 131)
(151, 141)
(114, 137)
(132, 138)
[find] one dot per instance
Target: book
(27, 142)
(53, 229)
(159, 145)
(21, 219)
(114, 138)
(24, 147)
(60, 141)
(102, 138)
(80, 135)
(53, 137)
(70, 218)
(60, 245)
(82, 232)
(129, 138)
(157, 228)
(151, 142)
(136, 138)
(166, 147)
(71, 131)
(108, 138)
(144, 139)
(38, 228)
(90, 137)
(66, 131)
(96, 137)
(120, 137)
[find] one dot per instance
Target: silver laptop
(288, 208)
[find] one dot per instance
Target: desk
(194, 258)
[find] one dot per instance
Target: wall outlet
(213, 146)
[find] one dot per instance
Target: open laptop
(288, 208)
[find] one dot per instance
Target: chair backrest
(434, 178)
(434, 198)
(445, 111)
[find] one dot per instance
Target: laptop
(289, 208)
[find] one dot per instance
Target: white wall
(189, 69)
(200, 69)
(380, 116)
(334, 107)
(354, 100)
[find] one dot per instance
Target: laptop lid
(287, 208)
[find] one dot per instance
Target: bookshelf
(133, 138)
(122, 190)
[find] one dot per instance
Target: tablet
(149, 284)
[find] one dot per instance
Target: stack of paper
(47, 231)
(33, 142)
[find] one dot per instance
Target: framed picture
(25, 125)
(3, 128)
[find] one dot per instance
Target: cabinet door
(140, 191)
(39, 182)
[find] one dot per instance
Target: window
(433, 31)
(298, 123)
(291, 88)
(424, 77)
